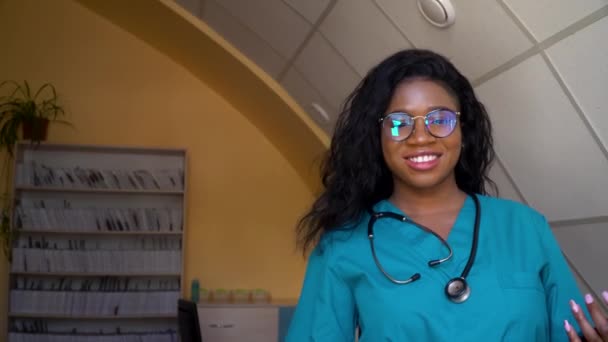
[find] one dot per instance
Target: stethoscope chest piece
(458, 290)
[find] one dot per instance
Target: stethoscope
(457, 289)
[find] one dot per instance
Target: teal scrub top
(520, 282)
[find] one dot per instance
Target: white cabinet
(222, 324)
(245, 322)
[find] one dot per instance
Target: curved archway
(188, 41)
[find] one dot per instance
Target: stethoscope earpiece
(434, 263)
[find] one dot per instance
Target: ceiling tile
(274, 20)
(309, 9)
(504, 185)
(193, 6)
(327, 71)
(554, 161)
(482, 37)
(307, 95)
(243, 38)
(585, 247)
(546, 17)
(362, 45)
(583, 65)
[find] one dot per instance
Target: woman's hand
(599, 333)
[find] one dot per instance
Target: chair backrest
(189, 326)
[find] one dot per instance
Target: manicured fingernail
(567, 326)
(588, 299)
(574, 306)
(605, 295)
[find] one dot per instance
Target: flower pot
(36, 129)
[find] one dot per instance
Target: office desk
(251, 322)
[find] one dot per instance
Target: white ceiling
(541, 68)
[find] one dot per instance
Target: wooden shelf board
(98, 232)
(94, 274)
(79, 317)
(98, 191)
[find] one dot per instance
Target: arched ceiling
(523, 57)
(535, 64)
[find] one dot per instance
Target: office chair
(187, 316)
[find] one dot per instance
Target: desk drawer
(221, 324)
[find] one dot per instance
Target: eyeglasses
(439, 123)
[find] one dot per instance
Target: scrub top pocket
(523, 304)
(520, 280)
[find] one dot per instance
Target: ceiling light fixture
(317, 107)
(440, 13)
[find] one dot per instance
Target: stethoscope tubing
(472, 254)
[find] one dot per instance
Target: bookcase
(99, 256)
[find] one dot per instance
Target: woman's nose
(420, 135)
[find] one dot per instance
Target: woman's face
(422, 161)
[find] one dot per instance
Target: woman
(407, 245)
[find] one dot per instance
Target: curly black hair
(354, 173)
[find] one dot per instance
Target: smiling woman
(413, 143)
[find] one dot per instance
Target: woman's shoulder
(343, 239)
(513, 218)
(508, 207)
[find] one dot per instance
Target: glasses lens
(398, 126)
(441, 123)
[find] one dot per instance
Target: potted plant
(27, 110)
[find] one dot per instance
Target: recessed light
(439, 13)
(320, 110)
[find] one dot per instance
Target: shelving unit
(63, 232)
(114, 191)
(89, 317)
(94, 274)
(100, 250)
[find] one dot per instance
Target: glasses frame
(414, 118)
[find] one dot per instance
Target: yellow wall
(243, 196)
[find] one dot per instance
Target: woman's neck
(417, 202)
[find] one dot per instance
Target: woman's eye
(399, 124)
(441, 122)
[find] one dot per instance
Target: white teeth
(423, 159)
